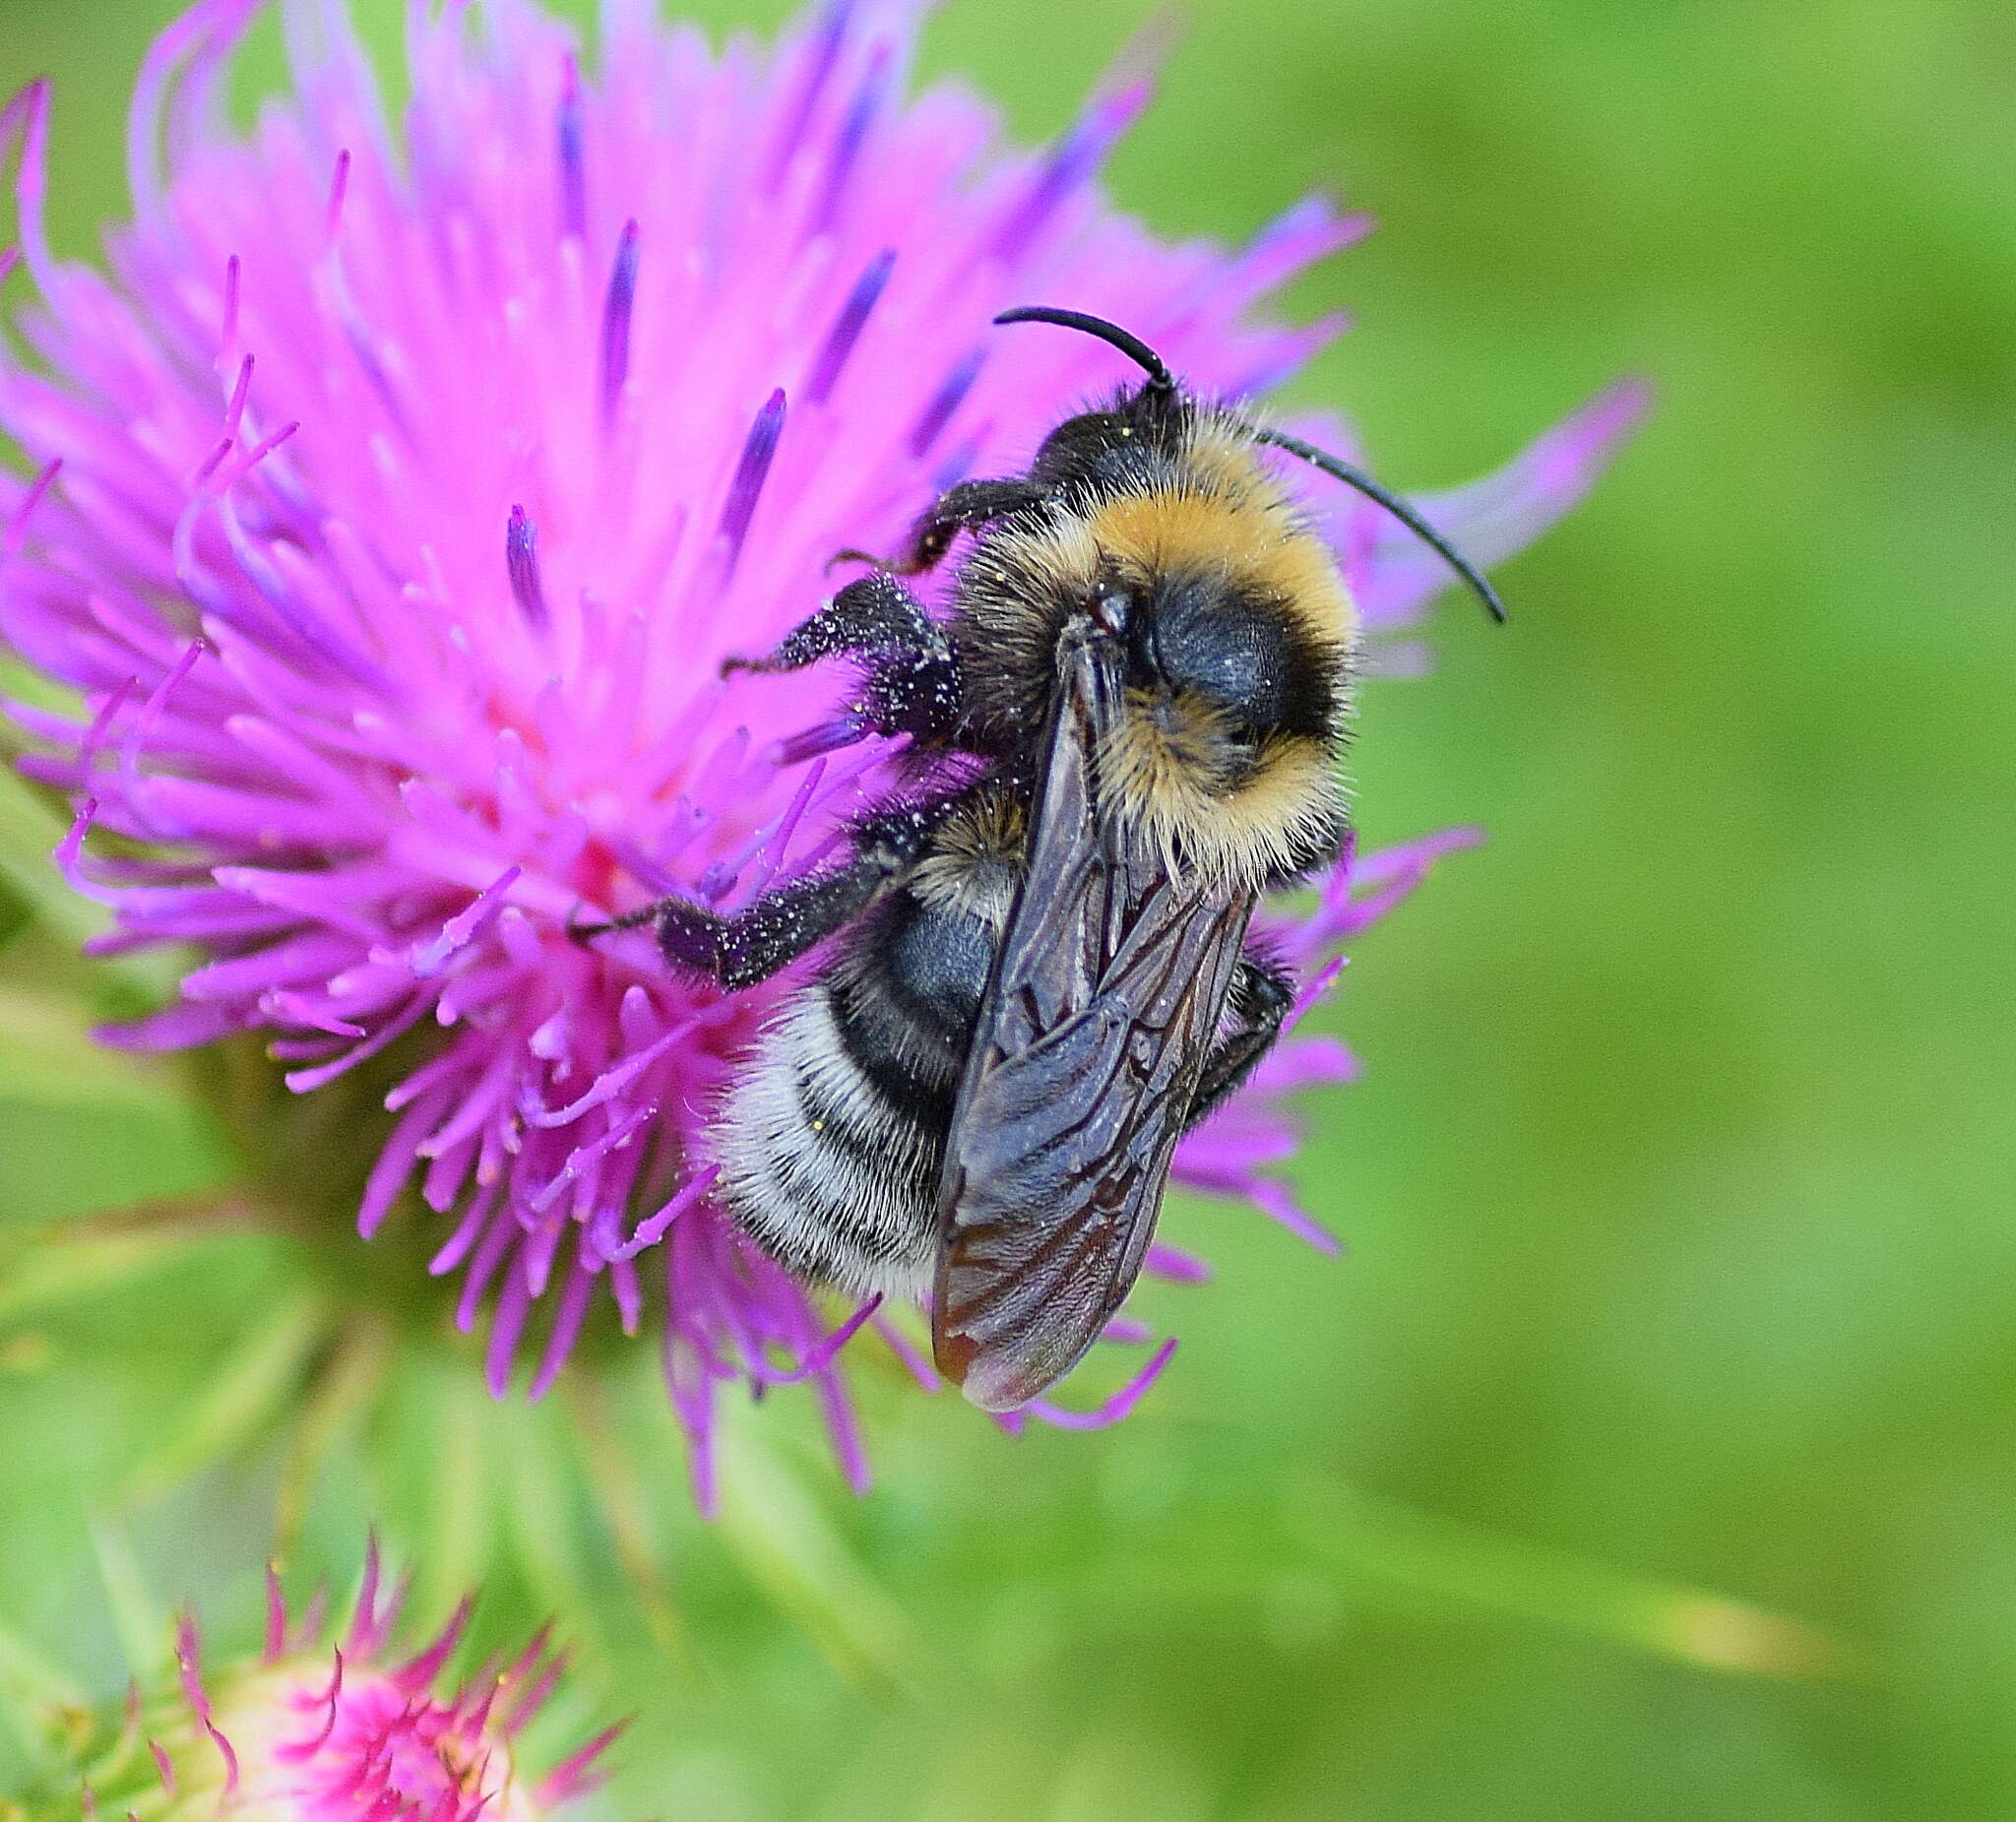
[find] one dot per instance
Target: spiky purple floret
(717, 317)
(331, 1728)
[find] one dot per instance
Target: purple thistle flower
(323, 1726)
(395, 500)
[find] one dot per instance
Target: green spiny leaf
(137, 1613)
(54, 1271)
(345, 1387)
(622, 1505)
(546, 1534)
(48, 1059)
(1384, 1540)
(33, 1693)
(457, 1474)
(793, 1552)
(250, 1388)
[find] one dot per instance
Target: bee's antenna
(1161, 380)
(1160, 377)
(1399, 508)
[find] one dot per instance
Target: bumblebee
(1127, 729)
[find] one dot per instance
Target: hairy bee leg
(630, 921)
(1260, 998)
(875, 615)
(757, 941)
(922, 697)
(964, 508)
(911, 683)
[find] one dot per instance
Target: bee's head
(1202, 649)
(1218, 656)
(1233, 657)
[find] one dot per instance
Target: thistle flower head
(329, 1726)
(390, 507)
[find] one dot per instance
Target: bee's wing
(1105, 998)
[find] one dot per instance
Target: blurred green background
(1679, 1192)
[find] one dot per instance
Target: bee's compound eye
(1111, 609)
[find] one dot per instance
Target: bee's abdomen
(831, 1137)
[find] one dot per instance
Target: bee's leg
(875, 615)
(1261, 994)
(911, 683)
(923, 697)
(964, 508)
(753, 943)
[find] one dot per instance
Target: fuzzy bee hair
(1125, 729)
(1228, 761)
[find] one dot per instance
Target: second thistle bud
(327, 1727)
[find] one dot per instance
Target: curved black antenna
(1160, 377)
(1399, 508)
(1161, 380)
